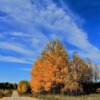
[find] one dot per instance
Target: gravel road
(15, 96)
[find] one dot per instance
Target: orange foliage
(50, 68)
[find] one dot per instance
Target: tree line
(54, 72)
(8, 86)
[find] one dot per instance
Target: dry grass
(59, 97)
(5, 93)
(50, 97)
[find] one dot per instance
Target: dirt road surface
(15, 96)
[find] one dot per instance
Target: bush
(23, 87)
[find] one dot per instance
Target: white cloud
(21, 10)
(14, 59)
(1, 36)
(18, 34)
(43, 19)
(25, 69)
(15, 47)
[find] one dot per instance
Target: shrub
(23, 87)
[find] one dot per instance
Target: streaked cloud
(34, 22)
(25, 69)
(14, 47)
(14, 59)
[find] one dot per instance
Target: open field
(15, 96)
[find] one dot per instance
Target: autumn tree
(79, 72)
(51, 69)
(82, 69)
(72, 85)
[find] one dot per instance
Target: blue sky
(27, 25)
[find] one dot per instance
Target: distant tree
(9, 86)
(14, 86)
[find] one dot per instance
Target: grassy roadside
(61, 97)
(5, 93)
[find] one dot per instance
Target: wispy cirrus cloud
(14, 59)
(40, 21)
(25, 69)
(14, 47)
